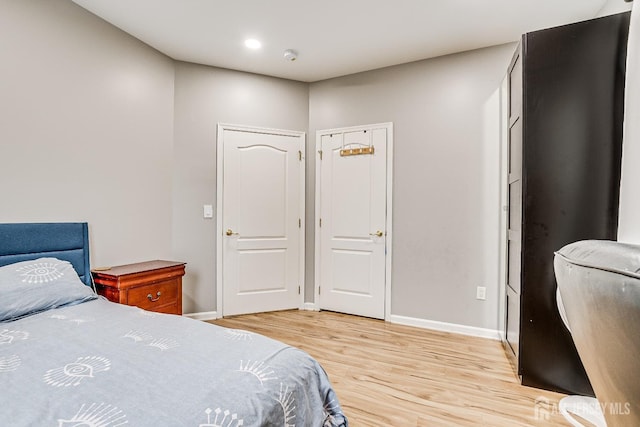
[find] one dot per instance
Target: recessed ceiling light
(252, 43)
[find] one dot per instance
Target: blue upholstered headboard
(67, 241)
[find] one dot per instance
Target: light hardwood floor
(393, 375)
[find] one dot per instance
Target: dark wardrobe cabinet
(566, 101)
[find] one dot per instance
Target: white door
(353, 230)
(260, 225)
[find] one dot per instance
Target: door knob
(230, 232)
(377, 233)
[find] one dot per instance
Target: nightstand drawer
(156, 295)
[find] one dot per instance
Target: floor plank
(393, 375)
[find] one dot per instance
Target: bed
(70, 358)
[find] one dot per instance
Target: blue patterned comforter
(102, 364)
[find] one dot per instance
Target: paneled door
(261, 235)
(514, 194)
(353, 230)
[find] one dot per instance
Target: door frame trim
(389, 208)
(219, 208)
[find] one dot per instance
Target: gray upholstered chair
(599, 299)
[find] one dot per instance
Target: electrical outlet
(481, 293)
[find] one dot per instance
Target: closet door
(514, 193)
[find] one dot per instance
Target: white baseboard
(207, 315)
(445, 327)
(309, 306)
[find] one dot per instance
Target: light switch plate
(207, 211)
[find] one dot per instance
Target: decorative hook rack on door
(356, 151)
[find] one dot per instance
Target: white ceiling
(333, 37)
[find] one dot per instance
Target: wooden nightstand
(151, 285)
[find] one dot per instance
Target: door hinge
(318, 290)
(299, 155)
(298, 290)
(320, 222)
(320, 152)
(299, 223)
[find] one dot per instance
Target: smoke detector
(290, 55)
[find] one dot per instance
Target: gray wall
(205, 96)
(86, 129)
(446, 192)
(91, 129)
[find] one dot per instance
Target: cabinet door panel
(513, 320)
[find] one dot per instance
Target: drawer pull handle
(152, 299)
